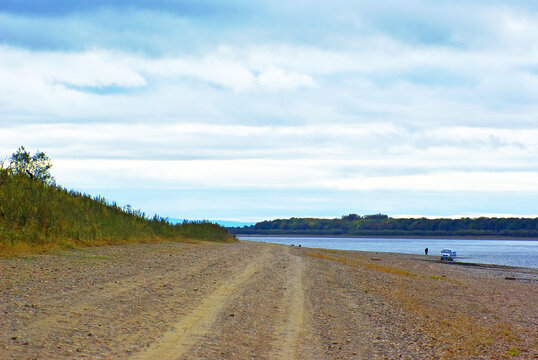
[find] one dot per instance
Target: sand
(261, 301)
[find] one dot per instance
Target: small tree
(36, 167)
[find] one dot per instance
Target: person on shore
(426, 251)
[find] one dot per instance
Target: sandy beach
(261, 301)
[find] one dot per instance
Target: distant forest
(383, 225)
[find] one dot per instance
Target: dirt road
(260, 301)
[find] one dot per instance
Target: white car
(447, 254)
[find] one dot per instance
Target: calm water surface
(501, 252)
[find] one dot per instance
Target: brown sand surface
(260, 301)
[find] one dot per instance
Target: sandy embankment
(260, 301)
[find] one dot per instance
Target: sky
(252, 110)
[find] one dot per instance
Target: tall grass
(35, 214)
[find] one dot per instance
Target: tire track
(192, 327)
(109, 292)
(290, 329)
(115, 316)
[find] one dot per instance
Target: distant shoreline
(380, 225)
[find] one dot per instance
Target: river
(522, 253)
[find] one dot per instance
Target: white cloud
(375, 77)
(89, 69)
(96, 68)
(279, 174)
(517, 30)
(445, 181)
(527, 138)
(276, 79)
(363, 148)
(228, 68)
(451, 107)
(212, 69)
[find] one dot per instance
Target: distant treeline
(382, 225)
(36, 213)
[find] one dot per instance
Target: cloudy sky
(250, 110)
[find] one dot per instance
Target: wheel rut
(110, 292)
(189, 330)
(290, 327)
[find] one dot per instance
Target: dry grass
(25, 248)
(458, 325)
(376, 267)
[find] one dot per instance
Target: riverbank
(240, 235)
(485, 251)
(261, 301)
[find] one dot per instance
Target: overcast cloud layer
(253, 110)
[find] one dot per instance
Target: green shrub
(40, 213)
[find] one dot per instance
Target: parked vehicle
(447, 254)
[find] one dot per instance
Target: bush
(42, 213)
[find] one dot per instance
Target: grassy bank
(35, 216)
